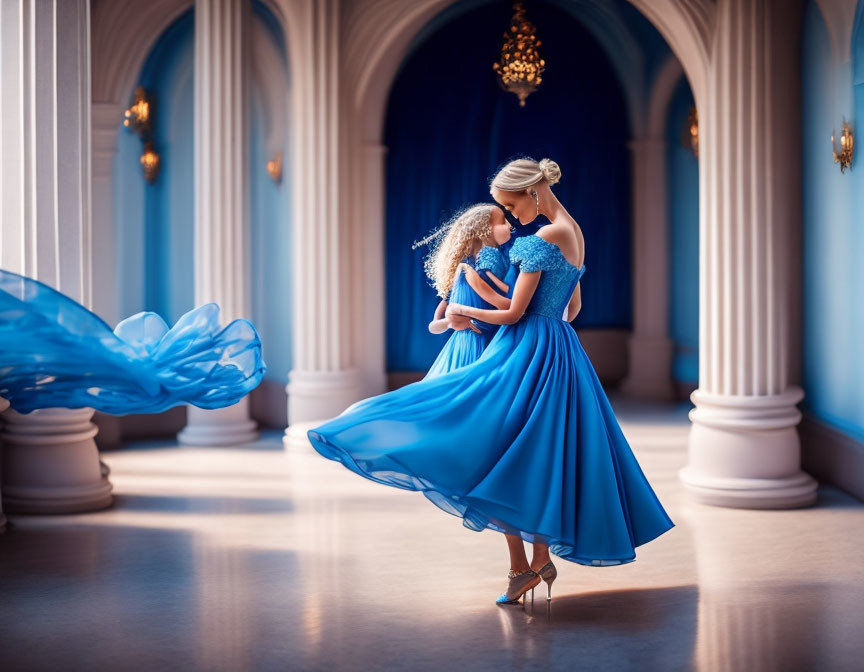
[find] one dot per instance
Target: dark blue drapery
(449, 126)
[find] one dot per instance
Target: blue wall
(833, 366)
(155, 223)
(683, 212)
(449, 126)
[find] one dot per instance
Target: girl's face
(500, 227)
(520, 203)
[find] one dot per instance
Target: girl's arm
(526, 285)
(485, 292)
(439, 323)
(575, 304)
(503, 286)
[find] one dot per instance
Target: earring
(537, 200)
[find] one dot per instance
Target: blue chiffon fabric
(522, 441)
(54, 353)
(465, 346)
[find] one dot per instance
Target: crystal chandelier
(520, 69)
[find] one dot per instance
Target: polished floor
(259, 559)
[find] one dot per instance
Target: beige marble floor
(254, 558)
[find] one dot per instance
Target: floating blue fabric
(522, 441)
(54, 353)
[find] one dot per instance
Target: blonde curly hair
(452, 242)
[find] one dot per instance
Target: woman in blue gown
(478, 230)
(54, 353)
(524, 440)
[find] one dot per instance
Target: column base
(744, 452)
(51, 463)
(649, 373)
(321, 394)
(295, 439)
(229, 426)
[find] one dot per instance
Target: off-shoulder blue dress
(522, 441)
(465, 346)
(54, 353)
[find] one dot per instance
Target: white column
(649, 347)
(744, 449)
(221, 192)
(370, 355)
(106, 119)
(324, 380)
(50, 461)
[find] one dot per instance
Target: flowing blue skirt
(464, 347)
(522, 441)
(54, 353)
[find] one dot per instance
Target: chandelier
(520, 68)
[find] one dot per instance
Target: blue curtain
(683, 216)
(449, 127)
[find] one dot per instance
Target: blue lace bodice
(559, 277)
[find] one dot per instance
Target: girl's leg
(540, 557)
(518, 559)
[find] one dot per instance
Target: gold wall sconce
(138, 119)
(274, 168)
(520, 68)
(137, 116)
(150, 162)
(690, 136)
(847, 147)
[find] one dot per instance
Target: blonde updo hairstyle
(520, 174)
(452, 242)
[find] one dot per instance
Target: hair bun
(550, 171)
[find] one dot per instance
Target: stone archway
(744, 449)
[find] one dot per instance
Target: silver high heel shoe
(519, 586)
(548, 573)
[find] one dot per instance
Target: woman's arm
(575, 304)
(483, 290)
(526, 285)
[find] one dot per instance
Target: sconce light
(150, 163)
(847, 148)
(138, 119)
(137, 116)
(690, 136)
(274, 168)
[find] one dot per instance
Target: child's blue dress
(54, 353)
(522, 441)
(465, 346)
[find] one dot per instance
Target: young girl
(524, 440)
(467, 243)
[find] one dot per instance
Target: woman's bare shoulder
(568, 238)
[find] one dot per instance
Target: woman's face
(500, 227)
(520, 203)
